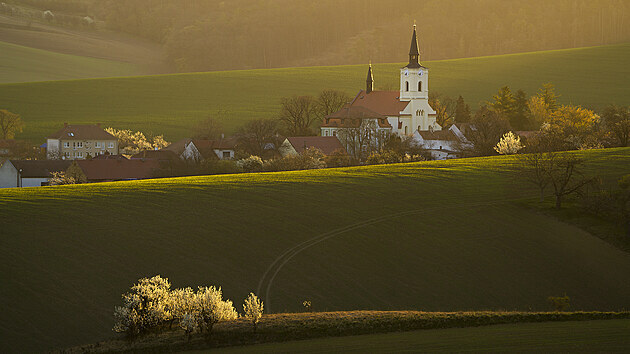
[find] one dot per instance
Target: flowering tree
(131, 143)
(212, 309)
(251, 164)
(509, 144)
(253, 308)
(144, 306)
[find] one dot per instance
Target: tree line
(201, 35)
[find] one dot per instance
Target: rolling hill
(24, 64)
(433, 236)
(172, 104)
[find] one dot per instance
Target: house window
(227, 154)
(334, 133)
(325, 132)
(80, 144)
(66, 144)
(97, 145)
(66, 154)
(420, 86)
(79, 154)
(406, 85)
(111, 144)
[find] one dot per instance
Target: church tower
(414, 88)
(414, 78)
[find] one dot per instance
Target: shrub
(559, 303)
(253, 309)
(386, 156)
(307, 160)
(212, 309)
(251, 164)
(144, 306)
(339, 158)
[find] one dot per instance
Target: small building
(78, 142)
(29, 173)
(297, 144)
(200, 149)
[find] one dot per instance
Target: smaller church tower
(369, 81)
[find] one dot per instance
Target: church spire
(414, 53)
(370, 80)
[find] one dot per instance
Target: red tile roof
(39, 168)
(386, 103)
(327, 144)
(206, 147)
(116, 170)
(82, 132)
(351, 116)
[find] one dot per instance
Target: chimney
(65, 125)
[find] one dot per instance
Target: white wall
(53, 149)
(8, 175)
(33, 182)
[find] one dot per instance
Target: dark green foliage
(462, 111)
(616, 120)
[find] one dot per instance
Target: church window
(406, 85)
(335, 133)
(405, 129)
(325, 132)
(420, 86)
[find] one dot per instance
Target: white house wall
(33, 182)
(8, 175)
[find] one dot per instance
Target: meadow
(172, 104)
(432, 236)
(555, 337)
(24, 64)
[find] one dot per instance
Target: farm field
(23, 64)
(610, 336)
(430, 236)
(172, 104)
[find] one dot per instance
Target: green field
(23, 64)
(557, 337)
(432, 236)
(172, 104)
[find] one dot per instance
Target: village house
(199, 149)
(406, 112)
(77, 142)
(29, 173)
(298, 144)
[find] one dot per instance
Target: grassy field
(23, 64)
(431, 236)
(172, 104)
(556, 337)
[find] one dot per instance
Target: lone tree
(253, 308)
(329, 102)
(535, 169)
(617, 122)
(10, 123)
(298, 113)
(509, 144)
(565, 176)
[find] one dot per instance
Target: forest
(204, 35)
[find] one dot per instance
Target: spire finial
(414, 24)
(370, 63)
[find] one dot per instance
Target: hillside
(432, 236)
(172, 104)
(23, 64)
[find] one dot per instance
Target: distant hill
(172, 104)
(432, 236)
(23, 64)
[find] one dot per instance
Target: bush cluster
(151, 303)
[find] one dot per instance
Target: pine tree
(462, 111)
(519, 118)
(548, 94)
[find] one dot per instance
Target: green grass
(557, 337)
(23, 64)
(457, 238)
(172, 104)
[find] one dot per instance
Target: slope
(172, 104)
(67, 253)
(23, 64)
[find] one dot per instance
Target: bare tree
(330, 101)
(209, 128)
(10, 123)
(259, 137)
(362, 138)
(298, 113)
(444, 109)
(535, 168)
(565, 176)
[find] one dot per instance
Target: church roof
(350, 117)
(385, 103)
(414, 52)
(327, 144)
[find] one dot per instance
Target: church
(406, 112)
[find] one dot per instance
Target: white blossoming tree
(212, 309)
(509, 144)
(144, 306)
(253, 308)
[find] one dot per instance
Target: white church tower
(414, 88)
